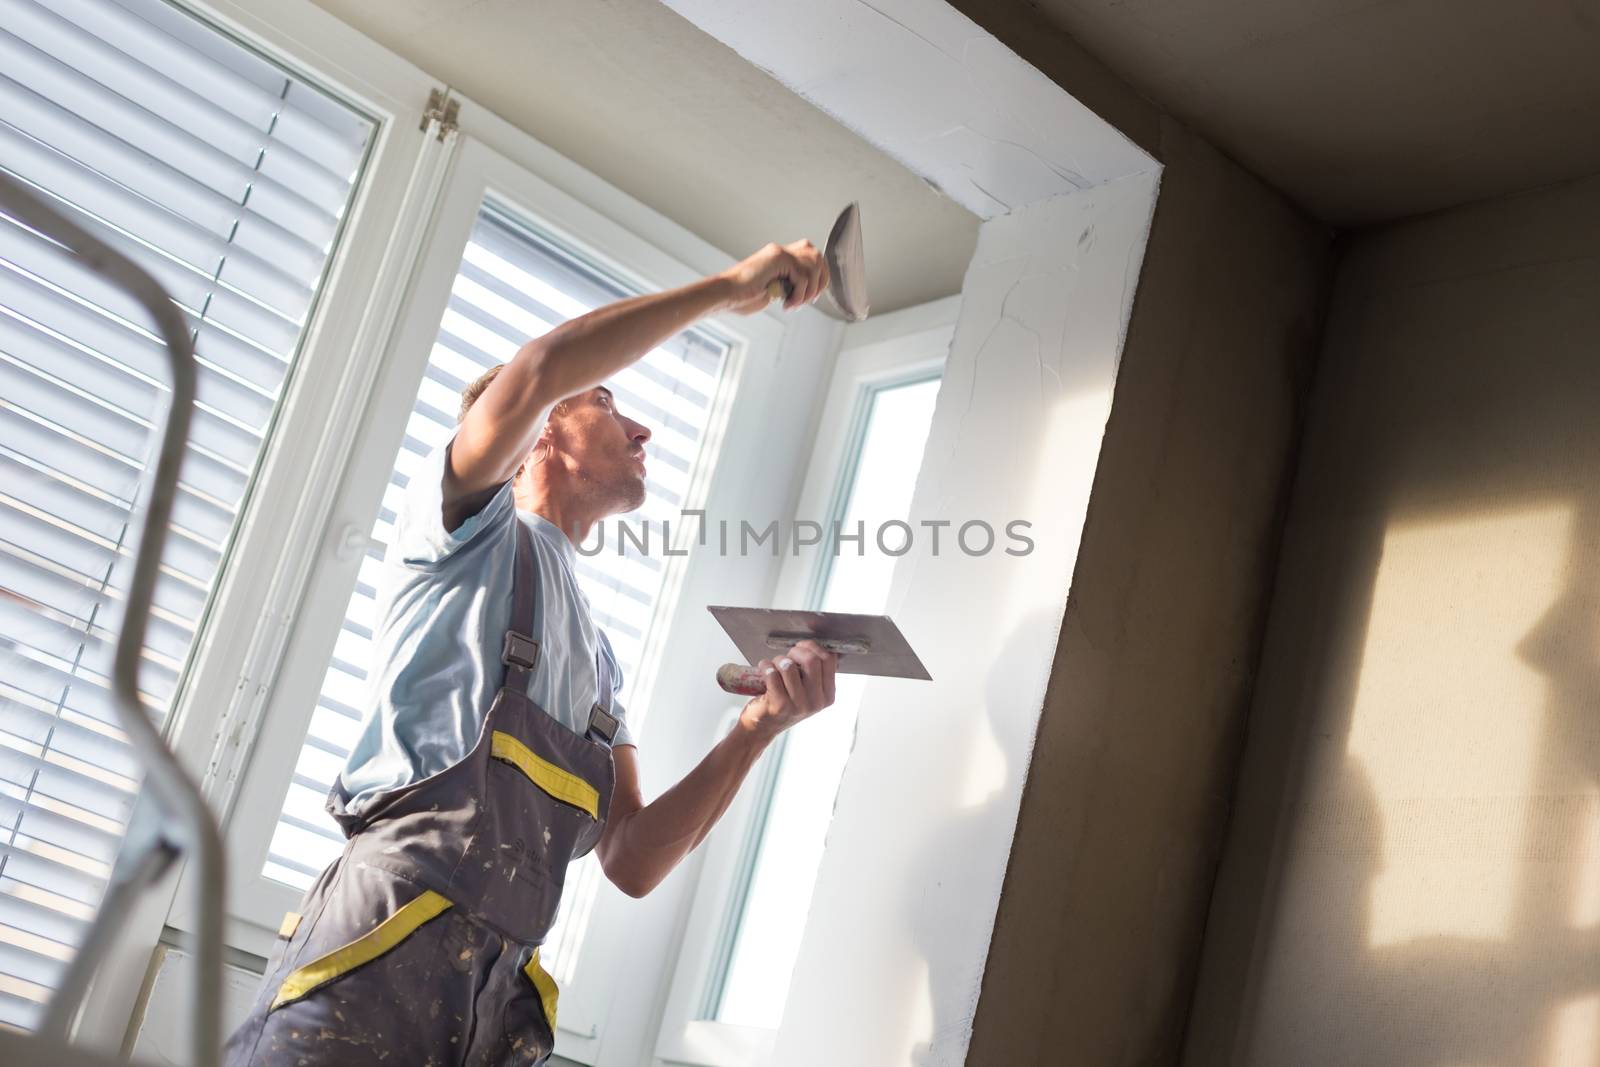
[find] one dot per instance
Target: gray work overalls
(420, 944)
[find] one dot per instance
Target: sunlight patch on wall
(987, 766)
(1449, 715)
(1575, 1035)
(1066, 457)
(1586, 886)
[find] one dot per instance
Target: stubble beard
(634, 495)
(624, 493)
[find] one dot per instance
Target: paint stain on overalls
(419, 944)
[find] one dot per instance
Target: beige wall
(1413, 873)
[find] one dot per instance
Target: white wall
(161, 1033)
(895, 943)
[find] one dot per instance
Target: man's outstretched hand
(799, 684)
(643, 842)
(799, 264)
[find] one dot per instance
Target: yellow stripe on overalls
(548, 992)
(364, 949)
(563, 785)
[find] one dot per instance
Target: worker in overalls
(494, 751)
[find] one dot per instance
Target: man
(494, 750)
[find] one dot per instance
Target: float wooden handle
(748, 681)
(740, 679)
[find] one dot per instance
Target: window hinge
(442, 109)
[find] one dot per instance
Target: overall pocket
(538, 817)
(379, 941)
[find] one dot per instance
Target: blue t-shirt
(444, 607)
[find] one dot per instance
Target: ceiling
(639, 96)
(1359, 110)
(1367, 110)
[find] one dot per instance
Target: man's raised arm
(502, 426)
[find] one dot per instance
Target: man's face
(603, 447)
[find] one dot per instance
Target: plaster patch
(933, 90)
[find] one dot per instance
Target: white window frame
(245, 621)
(226, 718)
(894, 349)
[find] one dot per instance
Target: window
(513, 283)
(230, 186)
(762, 938)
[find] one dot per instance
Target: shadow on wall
(1413, 877)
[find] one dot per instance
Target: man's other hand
(799, 684)
(799, 264)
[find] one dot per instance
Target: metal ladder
(186, 825)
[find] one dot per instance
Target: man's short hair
(470, 395)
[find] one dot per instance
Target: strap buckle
(603, 724)
(519, 650)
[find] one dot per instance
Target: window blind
(227, 178)
(513, 284)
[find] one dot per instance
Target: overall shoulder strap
(602, 723)
(520, 652)
(605, 681)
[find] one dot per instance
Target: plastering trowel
(865, 644)
(847, 267)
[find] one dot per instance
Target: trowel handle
(780, 289)
(749, 681)
(740, 679)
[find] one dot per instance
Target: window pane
(512, 284)
(227, 178)
(767, 941)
